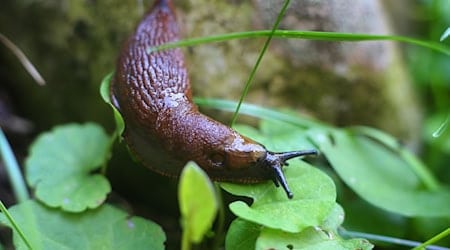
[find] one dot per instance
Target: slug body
(163, 127)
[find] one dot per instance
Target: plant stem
(386, 239)
(185, 238)
(13, 170)
(220, 218)
(26, 63)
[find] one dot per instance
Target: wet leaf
(103, 228)
(242, 235)
(62, 163)
(380, 176)
(198, 203)
(310, 238)
(314, 197)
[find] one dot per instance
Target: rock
(74, 44)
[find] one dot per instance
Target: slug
(164, 128)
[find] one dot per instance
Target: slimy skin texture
(163, 127)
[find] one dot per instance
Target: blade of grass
(14, 224)
(436, 238)
(299, 34)
(19, 189)
(23, 59)
(13, 170)
(258, 61)
(258, 112)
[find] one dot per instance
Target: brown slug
(163, 127)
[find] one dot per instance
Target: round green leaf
(310, 238)
(103, 228)
(381, 176)
(61, 167)
(198, 203)
(324, 236)
(243, 234)
(314, 197)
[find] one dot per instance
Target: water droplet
(130, 224)
(441, 128)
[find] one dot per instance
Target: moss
(73, 44)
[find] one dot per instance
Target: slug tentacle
(277, 160)
(163, 127)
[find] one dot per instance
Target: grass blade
(258, 61)
(14, 224)
(23, 59)
(438, 237)
(13, 170)
(299, 34)
(258, 112)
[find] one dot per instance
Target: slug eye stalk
(275, 161)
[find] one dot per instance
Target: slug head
(250, 159)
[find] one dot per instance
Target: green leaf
(61, 167)
(314, 197)
(323, 236)
(310, 238)
(242, 235)
(411, 162)
(105, 87)
(104, 92)
(198, 203)
(377, 174)
(103, 228)
(13, 225)
(245, 235)
(364, 217)
(334, 219)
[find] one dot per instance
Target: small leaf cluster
(68, 211)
